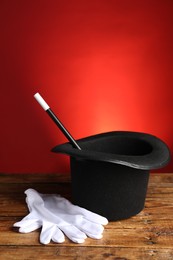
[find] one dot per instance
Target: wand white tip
(41, 101)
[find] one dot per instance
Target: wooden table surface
(148, 235)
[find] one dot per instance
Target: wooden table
(149, 235)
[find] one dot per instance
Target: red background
(102, 65)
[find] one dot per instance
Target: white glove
(56, 214)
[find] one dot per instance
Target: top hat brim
(132, 149)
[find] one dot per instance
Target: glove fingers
(47, 232)
(58, 236)
(74, 234)
(30, 228)
(24, 222)
(92, 230)
(95, 236)
(27, 226)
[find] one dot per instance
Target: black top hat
(110, 173)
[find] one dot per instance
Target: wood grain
(148, 235)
